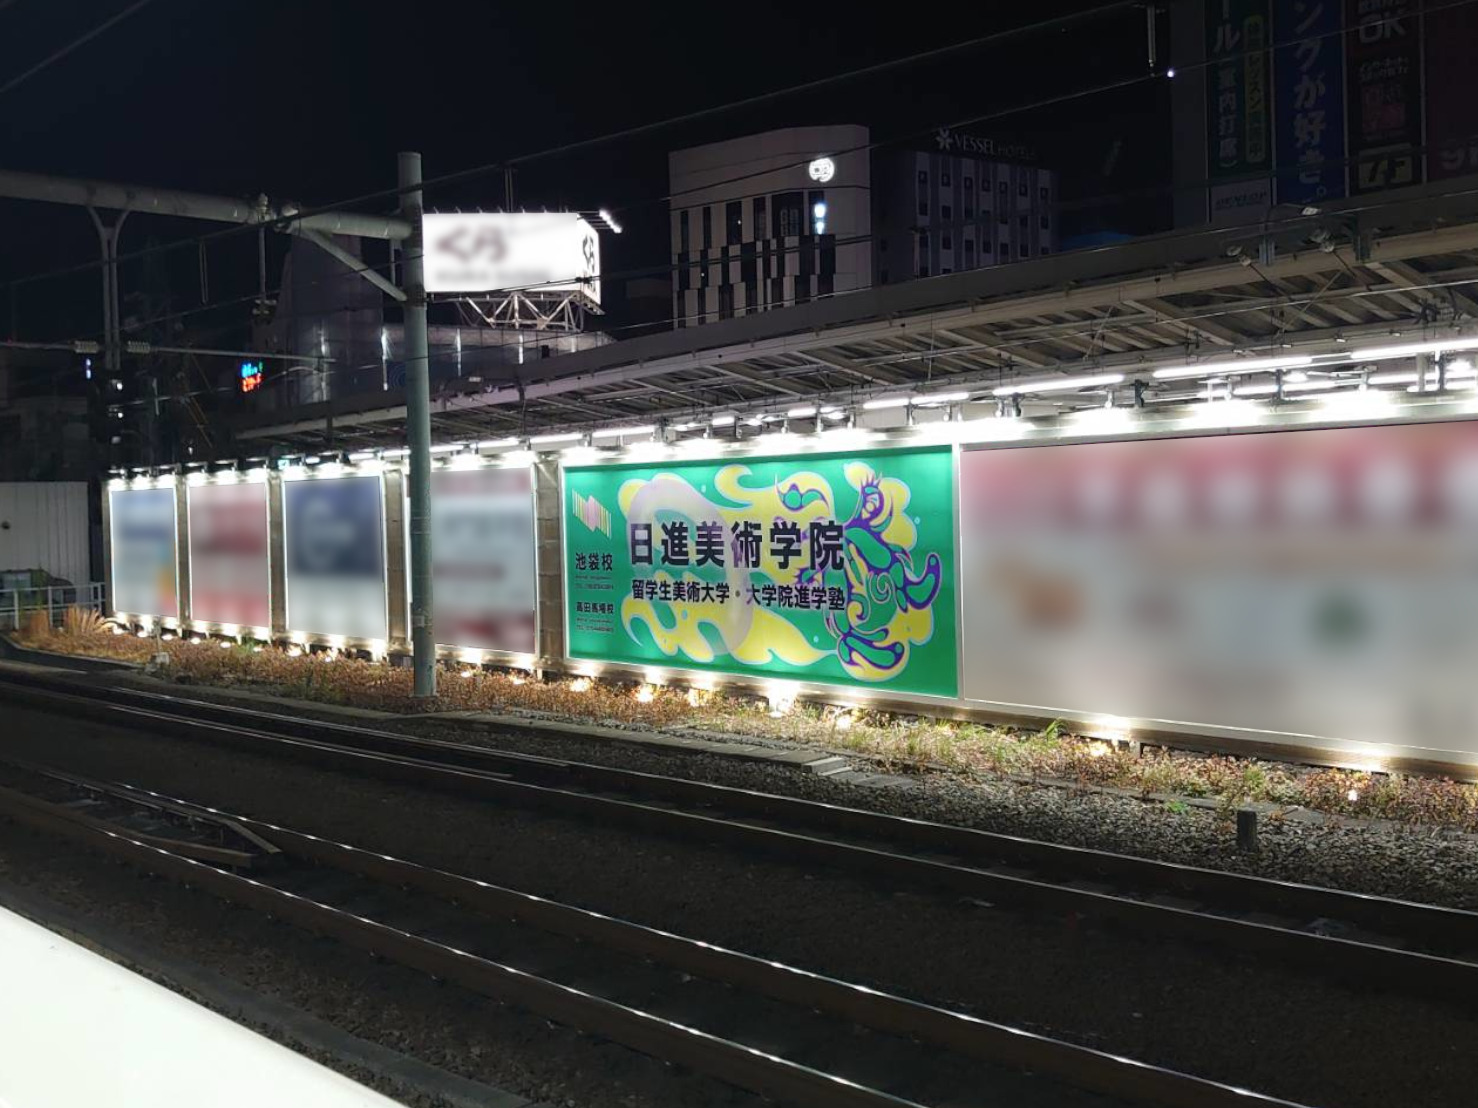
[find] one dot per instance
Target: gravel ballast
(1228, 1019)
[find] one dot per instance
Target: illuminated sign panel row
(484, 581)
(1306, 583)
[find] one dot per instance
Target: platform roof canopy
(1315, 282)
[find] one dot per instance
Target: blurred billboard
(482, 535)
(1320, 583)
(230, 581)
(532, 252)
(144, 559)
(334, 537)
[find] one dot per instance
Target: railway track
(1421, 949)
(785, 1033)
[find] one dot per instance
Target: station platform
(78, 1030)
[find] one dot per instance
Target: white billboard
(500, 252)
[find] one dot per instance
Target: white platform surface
(78, 1031)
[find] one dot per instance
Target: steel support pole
(418, 428)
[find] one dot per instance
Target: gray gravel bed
(1416, 864)
(1426, 865)
(1197, 1010)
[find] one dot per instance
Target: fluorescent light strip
(883, 403)
(1060, 384)
(1271, 388)
(555, 436)
(617, 432)
(944, 398)
(722, 421)
(497, 444)
(802, 412)
(447, 447)
(1382, 353)
(1219, 369)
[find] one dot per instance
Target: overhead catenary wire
(642, 129)
(650, 270)
(74, 44)
(639, 130)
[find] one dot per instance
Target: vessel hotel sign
(950, 141)
(532, 252)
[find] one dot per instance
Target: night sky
(311, 101)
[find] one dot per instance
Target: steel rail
(1390, 966)
(16, 803)
(744, 1066)
(1435, 924)
(1083, 1067)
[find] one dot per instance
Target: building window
(788, 215)
(1006, 250)
(1021, 189)
(1004, 219)
(946, 241)
(969, 253)
(726, 302)
(944, 179)
(985, 246)
(1046, 222)
(923, 269)
(1045, 193)
(682, 232)
(702, 303)
(1001, 187)
(923, 242)
(969, 184)
(985, 214)
(923, 206)
(946, 212)
(1022, 222)
(882, 276)
(760, 230)
(882, 246)
(777, 291)
(1025, 250)
(923, 178)
(707, 227)
(969, 212)
(734, 222)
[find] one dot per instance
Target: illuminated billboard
(482, 538)
(144, 559)
(1320, 583)
(230, 581)
(827, 568)
(334, 537)
(532, 252)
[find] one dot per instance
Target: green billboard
(834, 568)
